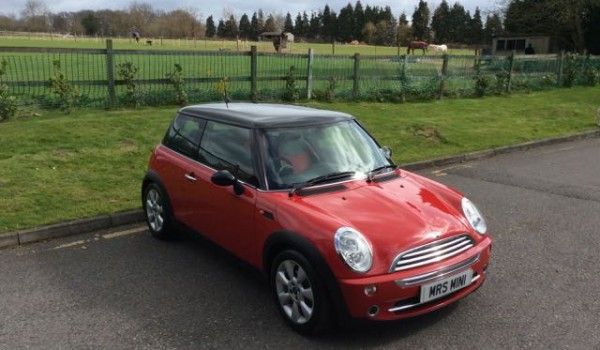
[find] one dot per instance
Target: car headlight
(473, 216)
(354, 249)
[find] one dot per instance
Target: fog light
(370, 289)
(373, 311)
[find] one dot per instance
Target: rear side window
(184, 135)
(228, 147)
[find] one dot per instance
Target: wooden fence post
(110, 73)
(559, 74)
(356, 87)
(511, 66)
(444, 75)
(253, 74)
(309, 74)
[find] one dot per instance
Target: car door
(218, 213)
(176, 163)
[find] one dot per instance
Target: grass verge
(57, 167)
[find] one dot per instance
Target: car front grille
(432, 252)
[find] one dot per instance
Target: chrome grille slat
(432, 252)
(435, 247)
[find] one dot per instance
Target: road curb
(438, 162)
(71, 228)
(137, 216)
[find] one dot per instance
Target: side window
(228, 147)
(184, 135)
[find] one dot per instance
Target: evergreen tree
(459, 19)
(440, 23)
(359, 21)
(328, 18)
(404, 31)
(345, 24)
(314, 26)
(420, 21)
(231, 28)
(211, 30)
(271, 24)
(493, 27)
(476, 29)
(257, 23)
(245, 27)
(221, 30)
(298, 28)
(288, 24)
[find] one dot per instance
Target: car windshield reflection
(294, 156)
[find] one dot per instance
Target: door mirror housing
(226, 178)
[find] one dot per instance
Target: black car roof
(263, 115)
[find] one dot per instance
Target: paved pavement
(124, 290)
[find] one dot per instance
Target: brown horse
(417, 45)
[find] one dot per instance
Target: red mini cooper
(311, 199)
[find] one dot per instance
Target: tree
(288, 24)
(476, 34)
(245, 27)
(420, 21)
(221, 30)
(440, 23)
(459, 20)
(404, 31)
(493, 27)
(140, 16)
(345, 24)
(91, 24)
(231, 28)
(328, 18)
(36, 16)
(211, 30)
(369, 32)
(257, 25)
(314, 29)
(568, 20)
(359, 21)
(271, 24)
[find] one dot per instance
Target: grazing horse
(417, 45)
(439, 48)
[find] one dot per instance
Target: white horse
(438, 48)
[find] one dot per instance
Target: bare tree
(36, 16)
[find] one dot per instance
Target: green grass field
(56, 167)
(205, 45)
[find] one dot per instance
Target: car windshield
(335, 151)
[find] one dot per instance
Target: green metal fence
(260, 76)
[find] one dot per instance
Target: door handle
(190, 177)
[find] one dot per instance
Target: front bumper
(397, 295)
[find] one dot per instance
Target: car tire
(300, 294)
(157, 212)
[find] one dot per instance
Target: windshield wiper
(321, 179)
(372, 173)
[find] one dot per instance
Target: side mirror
(386, 151)
(226, 178)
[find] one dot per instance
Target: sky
(221, 7)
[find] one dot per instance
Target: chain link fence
(100, 79)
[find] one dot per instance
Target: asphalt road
(125, 290)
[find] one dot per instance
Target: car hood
(394, 215)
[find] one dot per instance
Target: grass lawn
(56, 167)
(207, 45)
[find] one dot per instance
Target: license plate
(448, 285)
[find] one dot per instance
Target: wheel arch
(153, 177)
(283, 240)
